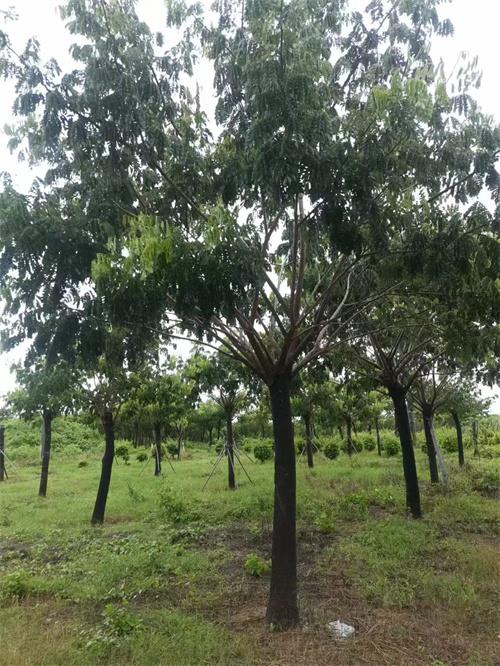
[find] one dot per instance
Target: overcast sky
(476, 26)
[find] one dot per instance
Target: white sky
(476, 26)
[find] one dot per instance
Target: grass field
(164, 581)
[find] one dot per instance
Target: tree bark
(377, 432)
(429, 444)
(397, 394)
(282, 609)
(350, 447)
(106, 467)
(157, 434)
(341, 433)
(46, 446)
(2, 456)
(460, 441)
(309, 443)
(413, 425)
(439, 456)
(231, 481)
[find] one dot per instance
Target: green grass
(164, 580)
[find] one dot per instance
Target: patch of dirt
(384, 636)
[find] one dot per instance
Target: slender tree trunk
(475, 430)
(309, 443)
(413, 425)
(439, 455)
(397, 394)
(231, 481)
(107, 466)
(179, 443)
(377, 432)
(350, 447)
(46, 446)
(460, 441)
(157, 433)
(2, 456)
(210, 436)
(429, 444)
(282, 609)
(341, 432)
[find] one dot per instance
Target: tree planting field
(179, 575)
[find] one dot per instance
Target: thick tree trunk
(377, 432)
(350, 447)
(460, 440)
(429, 444)
(282, 609)
(157, 433)
(231, 481)
(309, 443)
(46, 446)
(2, 456)
(397, 394)
(107, 466)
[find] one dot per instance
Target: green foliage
(353, 506)
(141, 457)
(486, 478)
(173, 508)
(331, 447)
(366, 441)
(122, 451)
(447, 439)
(171, 447)
(70, 437)
(263, 452)
(390, 444)
(256, 566)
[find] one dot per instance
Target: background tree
(49, 391)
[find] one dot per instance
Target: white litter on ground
(340, 630)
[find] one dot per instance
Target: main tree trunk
(282, 609)
(157, 434)
(2, 455)
(397, 394)
(460, 441)
(429, 444)
(231, 480)
(106, 467)
(309, 441)
(46, 446)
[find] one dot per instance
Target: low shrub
(390, 444)
(331, 447)
(121, 451)
(173, 508)
(263, 452)
(256, 566)
(367, 441)
(485, 478)
(141, 457)
(357, 445)
(447, 439)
